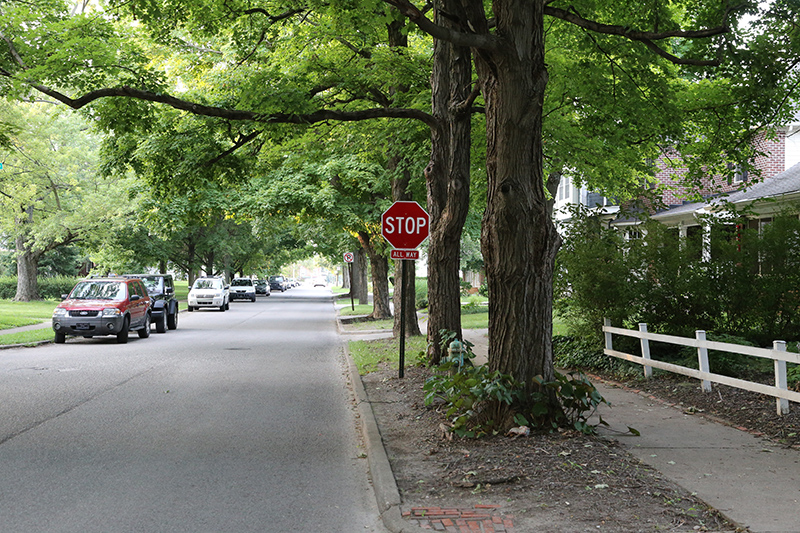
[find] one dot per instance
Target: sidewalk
(753, 482)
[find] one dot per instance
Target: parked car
(320, 282)
(103, 306)
(209, 292)
(277, 283)
(262, 287)
(164, 305)
(243, 289)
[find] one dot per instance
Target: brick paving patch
(478, 519)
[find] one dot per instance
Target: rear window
(242, 283)
(153, 284)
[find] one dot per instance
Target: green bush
(50, 288)
(472, 394)
(745, 288)
(421, 293)
(586, 354)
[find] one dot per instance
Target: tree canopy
(586, 88)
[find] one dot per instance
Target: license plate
(82, 326)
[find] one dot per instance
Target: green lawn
(367, 355)
(15, 314)
(27, 337)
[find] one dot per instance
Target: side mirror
(64, 296)
(170, 290)
(135, 297)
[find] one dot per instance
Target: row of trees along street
(321, 114)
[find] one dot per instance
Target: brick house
(779, 180)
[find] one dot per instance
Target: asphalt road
(235, 422)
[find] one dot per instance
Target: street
(235, 422)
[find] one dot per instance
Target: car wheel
(172, 319)
(161, 324)
(61, 338)
(122, 336)
(253, 299)
(227, 305)
(223, 307)
(145, 331)
(189, 308)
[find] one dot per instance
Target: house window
(564, 189)
(739, 175)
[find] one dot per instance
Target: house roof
(785, 183)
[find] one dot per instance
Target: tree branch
(235, 114)
(467, 40)
(646, 37)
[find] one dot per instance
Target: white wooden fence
(777, 354)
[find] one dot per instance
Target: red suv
(103, 306)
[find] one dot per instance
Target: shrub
(744, 284)
(586, 354)
(421, 293)
(476, 399)
(50, 288)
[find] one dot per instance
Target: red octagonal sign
(405, 225)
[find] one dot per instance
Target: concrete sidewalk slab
(753, 482)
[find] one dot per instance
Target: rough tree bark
(359, 288)
(27, 272)
(380, 278)
(518, 240)
(447, 179)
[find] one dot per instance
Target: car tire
(190, 308)
(253, 299)
(122, 336)
(172, 319)
(61, 338)
(223, 307)
(145, 331)
(227, 306)
(161, 324)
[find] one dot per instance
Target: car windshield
(99, 290)
(241, 282)
(153, 284)
(208, 284)
(276, 278)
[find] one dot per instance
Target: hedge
(50, 288)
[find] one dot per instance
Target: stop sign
(405, 225)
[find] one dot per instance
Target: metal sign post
(403, 298)
(349, 257)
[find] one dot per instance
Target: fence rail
(777, 354)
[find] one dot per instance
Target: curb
(384, 485)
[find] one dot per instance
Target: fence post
(702, 356)
(782, 404)
(648, 370)
(609, 343)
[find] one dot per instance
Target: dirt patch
(554, 482)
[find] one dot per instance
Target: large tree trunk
(380, 278)
(405, 290)
(519, 240)
(447, 179)
(359, 288)
(27, 272)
